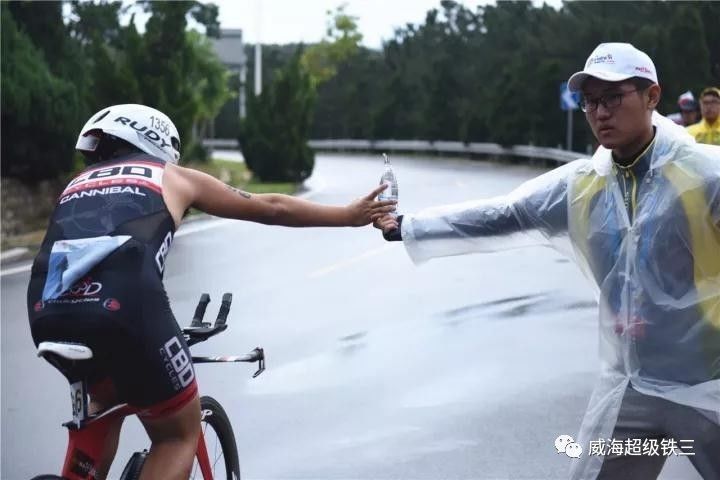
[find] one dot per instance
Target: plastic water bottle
(388, 177)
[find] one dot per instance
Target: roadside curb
(14, 255)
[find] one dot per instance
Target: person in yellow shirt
(707, 130)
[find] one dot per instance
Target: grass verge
(238, 175)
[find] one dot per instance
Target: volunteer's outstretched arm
(532, 214)
(192, 188)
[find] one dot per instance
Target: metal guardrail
(223, 143)
(491, 149)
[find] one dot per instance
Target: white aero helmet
(144, 127)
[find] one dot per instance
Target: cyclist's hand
(386, 223)
(366, 209)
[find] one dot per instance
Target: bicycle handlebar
(200, 310)
(224, 309)
(257, 355)
(200, 331)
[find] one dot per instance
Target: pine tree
(274, 136)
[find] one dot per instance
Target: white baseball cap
(614, 62)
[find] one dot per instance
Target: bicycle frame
(86, 442)
(87, 433)
(85, 445)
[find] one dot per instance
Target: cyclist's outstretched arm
(185, 187)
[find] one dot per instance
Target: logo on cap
(644, 70)
(608, 59)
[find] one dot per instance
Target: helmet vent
(101, 116)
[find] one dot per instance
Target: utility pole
(258, 48)
(241, 93)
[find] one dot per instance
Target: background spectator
(689, 113)
(707, 130)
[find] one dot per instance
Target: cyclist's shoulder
(195, 183)
(181, 179)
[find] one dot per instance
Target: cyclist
(642, 220)
(97, 279)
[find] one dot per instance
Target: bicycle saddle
(68, 351)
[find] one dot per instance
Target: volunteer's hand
(387, 223)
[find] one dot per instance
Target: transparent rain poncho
(656, 276)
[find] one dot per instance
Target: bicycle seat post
(67, 357)
(79, 399)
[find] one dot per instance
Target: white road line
(18, 269)
(201, 226)
(351, 261)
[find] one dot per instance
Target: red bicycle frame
(85, 445)
(88, 433)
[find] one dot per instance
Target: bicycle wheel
(220, 443)
(134, 466)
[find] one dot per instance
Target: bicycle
(87, 432)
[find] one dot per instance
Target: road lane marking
(351, 261)
(201, 226)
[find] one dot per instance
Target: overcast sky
(289, 21)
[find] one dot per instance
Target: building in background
(230, 50)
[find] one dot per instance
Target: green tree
(682, 68)
(169, 67)
(40, 110)
(350, 98)
(179, 73)
(56, 74)
(341, 42)
(492, 74)
(107, 48)
(274, 136)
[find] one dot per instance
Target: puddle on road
(581, 305)
(356, 357)
(484, 305)
(353, 336)
(350, 344)
(513, 307)
(522, 308)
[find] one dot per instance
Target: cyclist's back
(98, 280)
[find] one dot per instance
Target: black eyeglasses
(610, 101)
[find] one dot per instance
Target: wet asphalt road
(467, 367)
